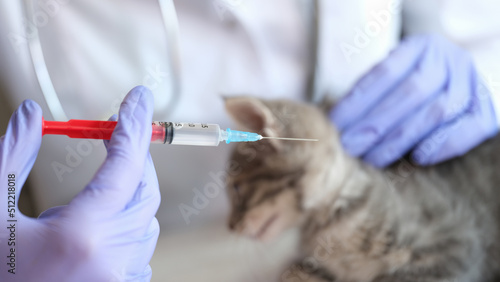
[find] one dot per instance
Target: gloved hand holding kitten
(426, 97)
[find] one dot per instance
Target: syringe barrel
(178, 133)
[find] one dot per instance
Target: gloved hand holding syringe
(175, 133)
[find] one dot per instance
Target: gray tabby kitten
(358, 223)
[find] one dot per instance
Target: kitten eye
(236, 187)
(236, 194)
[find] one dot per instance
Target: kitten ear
(250, 113)
(253, 115)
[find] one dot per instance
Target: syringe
(176, 133)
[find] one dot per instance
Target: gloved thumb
(21, 143)
(116, 182)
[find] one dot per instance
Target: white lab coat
(97, 50)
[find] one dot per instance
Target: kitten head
(273, 182)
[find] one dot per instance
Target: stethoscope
(171, 27)
(42, 73)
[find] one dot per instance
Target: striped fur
(405, 223)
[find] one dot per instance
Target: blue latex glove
(108, 232)
(425, 97)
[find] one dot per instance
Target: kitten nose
(235, 221)
(232, 225)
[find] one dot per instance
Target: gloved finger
(479, 122)
(53, 211)
(148, 192)
(139, 260)
(115, 183)
(111, 118)
(146, 200)
(144, 276)
(21, 143)
(378, 82)
(400, 140)
(452, 102)
(417, 89)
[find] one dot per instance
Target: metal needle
(294, 139)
